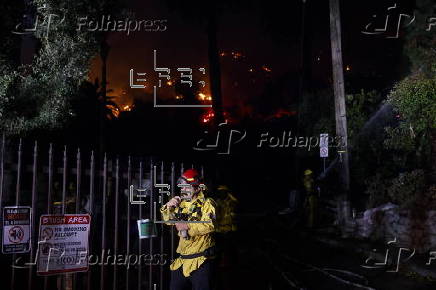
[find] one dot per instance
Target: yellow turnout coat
(200, 234)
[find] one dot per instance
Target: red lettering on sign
(78, 220)
(67, 219)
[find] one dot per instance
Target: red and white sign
(63, 244)
(16, 229)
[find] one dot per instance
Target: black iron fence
(60, 180)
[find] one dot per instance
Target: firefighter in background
(225, 235)
(196, 246)
(311, 203)
(225, 211)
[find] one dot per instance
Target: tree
(413, 140)
(39, 95)
(414, 98)
(420, 39)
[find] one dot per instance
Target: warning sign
(63, 244)
(323, 145)
(16, 229)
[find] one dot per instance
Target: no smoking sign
(16, 234)
(16, 229)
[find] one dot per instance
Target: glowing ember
(267, 69)
(348, 68)
(203, 97)
(233, 54)
(170, 83)
(209, 115)
(114, 111)
(280, 114)
(236, 55)
(126, 108)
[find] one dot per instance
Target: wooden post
(338, 84)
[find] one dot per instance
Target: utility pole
(338, 85)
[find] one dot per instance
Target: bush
(407, 189)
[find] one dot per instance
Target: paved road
(271, 255)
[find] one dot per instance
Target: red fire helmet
(191, 176)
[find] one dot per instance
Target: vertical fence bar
(50, 179)
(68, 278)
(103, 231)
(91, 183)
(78, 180)
(49, 194)
(17, 202)
(129, 182)
(64, 279)
(64, 180)
(202, 172)
(91, 203)
(78, 185)
(2, 171)
(34, 197)
(161, 229)
(17, 192)
(117, 186)
(173, 184)
(140, 217)
(152, 182)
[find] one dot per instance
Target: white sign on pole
(323, 145)
(63, 244)
(16, 229)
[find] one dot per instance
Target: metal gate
(61, 180)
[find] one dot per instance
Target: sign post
(63, 244)
(323, 147)
(16, 229)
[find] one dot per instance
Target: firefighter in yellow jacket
(226, 210)
(226, 236)
(311, 203)
(194, 218)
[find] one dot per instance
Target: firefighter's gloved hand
(182, 226)
(174, 202)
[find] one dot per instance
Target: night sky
(266, 35)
